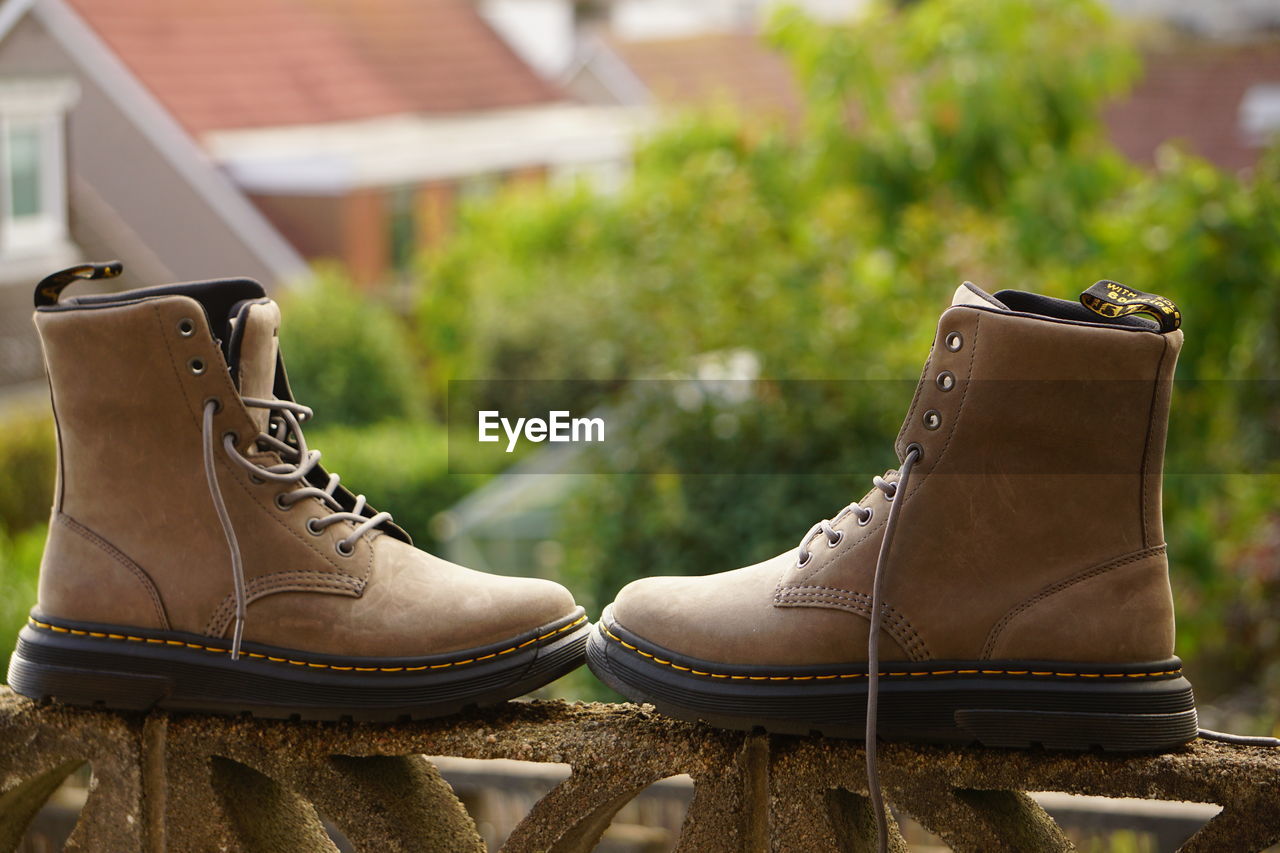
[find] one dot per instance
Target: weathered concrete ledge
(191, 783)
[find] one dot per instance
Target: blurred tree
(944, 140)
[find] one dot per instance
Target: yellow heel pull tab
(1111, 299)
(51, 286)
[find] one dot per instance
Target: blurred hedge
(349, 356)
(28, 462)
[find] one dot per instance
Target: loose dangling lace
(873, 652)
(297, 461)
(891, 490)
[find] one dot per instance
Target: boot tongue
(970, 294)
(252, 348)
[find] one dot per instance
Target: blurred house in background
(247, 137)
(1211, 79)
(91, 165)
(357, 127)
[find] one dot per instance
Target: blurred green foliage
(19, 570)
(943, 141)
(28, 461)
(349, 357)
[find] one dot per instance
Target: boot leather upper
(1031, 527)
(134, 538)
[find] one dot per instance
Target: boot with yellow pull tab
(1006, 584)
(201, 559)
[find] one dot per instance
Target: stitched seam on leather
(288, 581)
(909, 674)
(915, 398)
(994, 636)
(120, 557)
(107, 635)
(837, 592)
(1144, 497)
(896, 630)
(964, 396)
(910, 639)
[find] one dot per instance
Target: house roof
(1193, 93)
(261, 63)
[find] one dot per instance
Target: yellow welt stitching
(658, 660)
(157, 641)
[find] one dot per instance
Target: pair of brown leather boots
(1007, 582)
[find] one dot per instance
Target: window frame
(42, 103)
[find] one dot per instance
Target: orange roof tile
(263, 63)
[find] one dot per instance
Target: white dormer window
(33, 182)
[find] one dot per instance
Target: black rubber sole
(1147, 707)
(132, 670)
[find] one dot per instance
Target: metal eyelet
(808, 558)
(217, 404)
(954, 341)
(946, 380)
(866, 519)
(916, 448)
(196, 365)
(235, 439)
(890, 495)
(312, 529)
(831, 543)
(186, 327)
(932, 419)
(344, 548)
(280, 502)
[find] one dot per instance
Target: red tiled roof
(1192, 93)
(222, 64)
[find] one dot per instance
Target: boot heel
(70, 685)
(1079, 730)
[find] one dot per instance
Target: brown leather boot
(199, 558)
(1017, 556)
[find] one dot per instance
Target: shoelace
(297, 461)
(891, 491)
